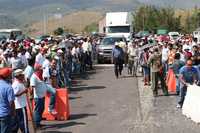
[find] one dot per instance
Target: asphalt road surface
(103, 104)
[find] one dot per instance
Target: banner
(191, 106)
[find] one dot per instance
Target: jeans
(89, 59)
(5, 124)
(39, 109)
(165, 68)
(59, 79)
(118, 66)
(177, 85)
(67, 78)
(52, 92)
(183, 92)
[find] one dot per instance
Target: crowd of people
(167, 64)
(29, 70)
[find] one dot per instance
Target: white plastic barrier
(191, 106)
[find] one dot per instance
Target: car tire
(99, 60)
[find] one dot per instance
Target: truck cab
(119, 24)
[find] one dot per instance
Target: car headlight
(100, 50)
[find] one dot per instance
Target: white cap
(60, 51)
(116, 44)
(18, 72)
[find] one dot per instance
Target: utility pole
(44, 23)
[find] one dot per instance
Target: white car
(174, 35)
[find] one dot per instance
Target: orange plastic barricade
(62, 106)
(171, 81)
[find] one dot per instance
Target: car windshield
(5, 34)
(111, 40)
(119, 29)
(175, 36)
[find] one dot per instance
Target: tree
(91, 28)
(151, 18)
(59, 31)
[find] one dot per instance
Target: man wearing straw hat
(21, 119)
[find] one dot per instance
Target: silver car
(104, 50)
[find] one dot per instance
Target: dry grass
(76, 22)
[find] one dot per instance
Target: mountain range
(24, 12)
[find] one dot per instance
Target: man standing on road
(39, 87)
(131, 59)
(87, 49)
(21, 118)
(7, 98)
(188, 75)
(157, 72)
(176, 66)
(118, 56)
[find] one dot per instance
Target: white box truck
(120, 24)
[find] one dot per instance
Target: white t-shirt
(185, 46)
(16, 63)
(46, 67)
(74, 51)
(28, 55)
(165, 54)
(20, 101)
(132, 51)
(182, 57)
(23, 59)
(39, 59)
(40, 87)
(87, 47)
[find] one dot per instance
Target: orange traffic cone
(171, 81)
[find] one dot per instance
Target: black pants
(118, 66)
(156, 76)
(183, 92)
(5, 126)
(88, 59)
(20, 121)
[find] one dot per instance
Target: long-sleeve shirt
(155, 62)
(117, 53)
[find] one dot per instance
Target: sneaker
(53, 112)
(177, 93)
(178, 106)
(166, 94)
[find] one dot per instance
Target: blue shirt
(177, 65)
(6, 97)
(198, 71)
(117, 53)
(189, 75)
